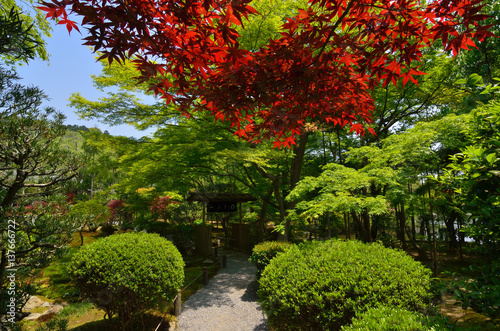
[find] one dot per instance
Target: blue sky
(68, 71)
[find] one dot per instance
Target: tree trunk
(450, 227)
(376, 225)
(282, 209)
(367, 227)
(363, 225)
(402, 225)
(329, 225)
(91, 186)
(3, 266)
(434, 240)
(295, 170)
(81, 235)
(10, 196)
(422, 254)
(357, 225)
(461, 239)
(347, 229)
(261, 222)
(279, 198)
(413, 229)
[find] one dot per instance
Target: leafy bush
(482, 293)
(323, 285)
(54, 325)
(264, 252)
(392, 318)
(163, 207)
(108, 229)
(128, 273)
(91, 213)
(183, 238)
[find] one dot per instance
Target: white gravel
(228, 302)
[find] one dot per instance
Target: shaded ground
(455, 314)
(228, 302)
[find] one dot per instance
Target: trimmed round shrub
(323, 285)
(392, 319)
(128, 273)
(264, 252)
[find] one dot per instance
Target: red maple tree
(320, 70)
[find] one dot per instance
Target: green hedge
(264, 252)
(323, 285)
(393, 318)
(126, 274)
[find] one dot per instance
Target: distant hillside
(76, 128)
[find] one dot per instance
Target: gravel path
(227, 303)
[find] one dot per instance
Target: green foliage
(128, 273)
(183, 238)
(149, 205)
(75, 309)
(392, 319)
(77, 128)
(91, 212)
(132, 104)
(108, 229)
(343, 189)
(42, 229)
(102, 153)
(473, 181)
(484, 59)
(382, 181)
(263, 253)
(257, 30)
(58, 324)
(482, 293)
(31, 157)
(474, 176)
(323, 285)
(14, 38)
(33, 162)
(21, 33)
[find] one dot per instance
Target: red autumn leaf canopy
(320, 70)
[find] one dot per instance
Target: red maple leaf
(70, 25)
(321, 69)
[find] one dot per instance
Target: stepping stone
(33, 302)
(54, 309)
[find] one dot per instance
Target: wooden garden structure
(221, 203)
